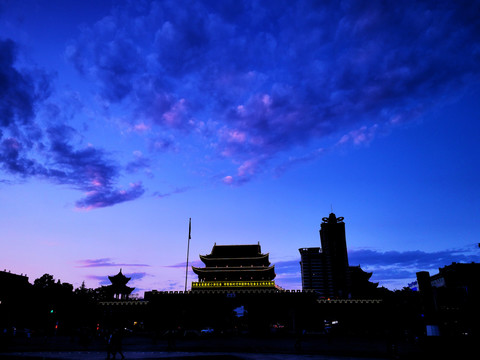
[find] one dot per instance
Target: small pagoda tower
(119, 290)
(234, 267)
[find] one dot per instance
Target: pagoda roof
(235, 251)
(358, 270)
(210, 258)
(197, 270)
(119, 279)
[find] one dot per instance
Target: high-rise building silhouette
(326, 270)
(312, 267)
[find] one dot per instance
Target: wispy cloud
(175, 191)
(196, 263)
(103, 197)
(105, 262)
(102, 280)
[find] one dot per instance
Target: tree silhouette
(46, 281)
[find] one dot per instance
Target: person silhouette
(108, 339)
(115, 344)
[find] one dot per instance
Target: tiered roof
(119, 288)
(235, 263)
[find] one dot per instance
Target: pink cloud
(104, 262)
(228, 180)
(237, 136)
(362, 136)
(142, 127)
(96, 183)
(266, 100)
(175, 116)
(248, 167)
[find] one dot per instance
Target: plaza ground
(150, 355)
(235, 348)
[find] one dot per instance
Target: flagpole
(188, 250)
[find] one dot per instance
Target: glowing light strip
(237, 284)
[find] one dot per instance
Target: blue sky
(120, 120)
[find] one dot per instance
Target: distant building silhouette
(13, 282)
(15, 301)
(119, 289)
(233, 267)
(454, 284)
(450, 298)
(326, 269)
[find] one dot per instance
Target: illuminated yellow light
(238, 284)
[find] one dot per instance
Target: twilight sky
(120, 120)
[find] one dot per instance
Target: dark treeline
(48, 306)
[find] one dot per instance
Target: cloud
(287, 267)
(228, 180)
(257, 87)
(31, 146)
(102, 280)
(108, 197)
(87, 169)
(14, 161)
(171, 285)
(105, 262)
(297, 160)
(196, 263)
(20, 94)
(288, 274)
(363, 135)
(175, 191)
(139, 163)
(277, 76)
(412, 259)
(20, 91)
(136, 275)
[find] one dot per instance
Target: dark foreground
(240, 347)
(92, 355)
